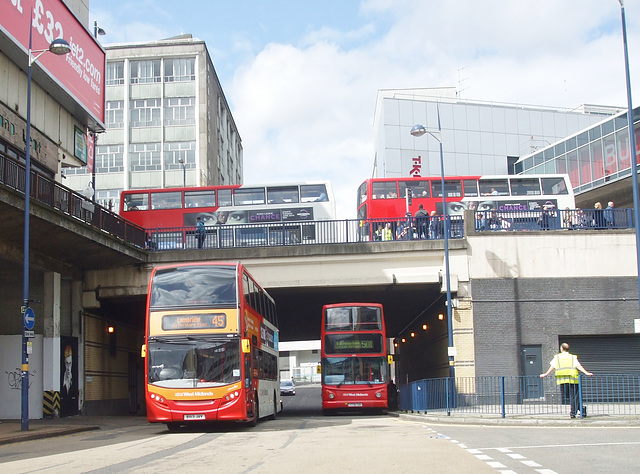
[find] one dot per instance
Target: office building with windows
(478, 138)
(168, 122)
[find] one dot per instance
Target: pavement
(11, 430)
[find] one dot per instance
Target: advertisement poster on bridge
(68, 376)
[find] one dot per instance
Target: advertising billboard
(82, 71)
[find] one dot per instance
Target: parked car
(287, 387)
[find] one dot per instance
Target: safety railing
(553, 219)
(299, 233)
(522, 395)
(75, 205)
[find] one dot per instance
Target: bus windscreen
(194, 286)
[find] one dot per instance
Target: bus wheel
(275, 408)
(256, 413)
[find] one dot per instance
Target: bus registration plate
(354, 404)
(194, 417)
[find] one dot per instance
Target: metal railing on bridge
(553, 219)
(71, 203)
(521, 395)
(302, 233)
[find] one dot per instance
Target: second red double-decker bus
(354, 357)
(211, 346)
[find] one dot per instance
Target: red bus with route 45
(211, 346)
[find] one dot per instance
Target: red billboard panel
(81, 71)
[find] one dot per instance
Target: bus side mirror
(143, 351)
(390, 358)
(246, 346)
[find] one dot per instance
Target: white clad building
(168, 122)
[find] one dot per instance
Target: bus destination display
(353, 343)
(175, 322)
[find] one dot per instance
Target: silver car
(287, 387)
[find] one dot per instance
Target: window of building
(145, 112)
(114, 113)
(109, 159)
(176, 151)
(247, 196)
(179, 70)
(115, 73)
(144, 157)
(180, 111)
(282, 194)
(143, 72)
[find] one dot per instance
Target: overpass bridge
(513, 292)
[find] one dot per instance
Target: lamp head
(59, 46)
(418, 130)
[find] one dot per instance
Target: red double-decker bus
(392, 198)
(354, 357)
(211, 346)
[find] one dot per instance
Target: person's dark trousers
(570, 397)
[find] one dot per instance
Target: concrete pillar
(51, 344)
(77, 330)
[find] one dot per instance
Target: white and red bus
(380, 198)
(281, 207)
(354, 357)
(211, 346)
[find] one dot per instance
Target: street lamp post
(60, 47)
(632, 146)
(418, 131)
(184, 172)
(96, 31)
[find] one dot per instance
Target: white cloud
(306, 112)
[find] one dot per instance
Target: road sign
(29, 319)
(29, 334)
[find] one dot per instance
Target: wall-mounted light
(413, 334)
(441, 316)
(404, 340)
(425, 327)
(110, 329)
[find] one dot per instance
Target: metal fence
(61, 198)
(521, 395)
(554, 219)
(301, 233)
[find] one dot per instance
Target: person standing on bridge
(567, 366)
(422, 222)
(201, 232)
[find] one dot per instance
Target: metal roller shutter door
(607, 354)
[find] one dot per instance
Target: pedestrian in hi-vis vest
(566, 366)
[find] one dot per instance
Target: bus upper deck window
(136, 202)
(200, 198)
(224, 197)
(556, 185)
(282, 194)
(313, 193)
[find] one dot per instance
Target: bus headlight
(378, 395)
(331, 396)
(157, 398)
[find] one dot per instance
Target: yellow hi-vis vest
(566, 371)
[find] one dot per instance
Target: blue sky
(301, 77)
